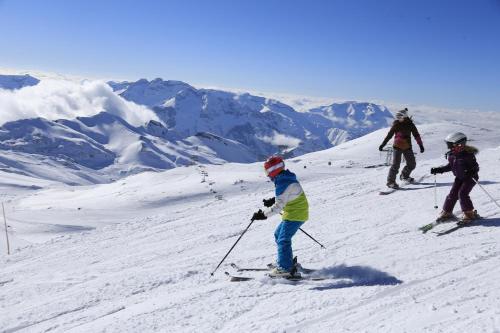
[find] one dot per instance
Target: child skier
(402, 129)
(292, 202)
(463, 164)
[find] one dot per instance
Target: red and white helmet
(274, 165)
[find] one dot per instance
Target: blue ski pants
(283, 237)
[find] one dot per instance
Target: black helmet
(454, 139)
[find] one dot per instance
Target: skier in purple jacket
(462, 162)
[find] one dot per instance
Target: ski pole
(312, 238)
(6, 232)
(482, 188)
(435, 193)
(212, 274)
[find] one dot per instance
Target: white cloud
(67, 99)
(279, 139)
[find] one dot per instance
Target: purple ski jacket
(463, 164)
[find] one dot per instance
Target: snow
(135, 255)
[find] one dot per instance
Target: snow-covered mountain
(135, 255)
(12, 82)
(350, 120)
(265, 126)
(107, 143)
(157, 125)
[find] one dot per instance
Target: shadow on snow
(355, 276)
(486, 222)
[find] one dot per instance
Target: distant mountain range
(266, 126)
(13, 82)
(195, 126)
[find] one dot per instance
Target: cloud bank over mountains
(65, 99)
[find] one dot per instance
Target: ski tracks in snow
(152, 273)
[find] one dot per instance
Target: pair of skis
(404, 184)
(460, 223)
(305, 274)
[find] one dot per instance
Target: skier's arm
(441, 169)
(292, 192)
(417, 137)
(388, 136)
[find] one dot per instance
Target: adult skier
(290, 200)
(402, 129)
(462, 162)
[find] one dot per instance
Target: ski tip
(233, 278)
(388, 191)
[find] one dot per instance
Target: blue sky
(444, 53)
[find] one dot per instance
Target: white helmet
(455, 139)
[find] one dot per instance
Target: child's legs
(284, 241)
(394, 169)
(410, 163)
(277, 232)
(463, 194)
(452, 197)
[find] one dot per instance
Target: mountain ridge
(192, 126)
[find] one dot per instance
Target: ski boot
(406, 180)
(445, 216)
(278, 272)
(469, 216)
(393, 185)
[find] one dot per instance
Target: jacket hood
(285, 175)
(471, 149)
(467, 149)
(408, 120)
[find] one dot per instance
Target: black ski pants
(396, 162)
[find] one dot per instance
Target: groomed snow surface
(135, 255)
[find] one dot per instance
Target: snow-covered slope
(111, 146)
(135, 255)
(39, 168)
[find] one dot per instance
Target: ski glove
(435, 171)
(269, 202)
(422, 148)
(259, 215)
(381, 147)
